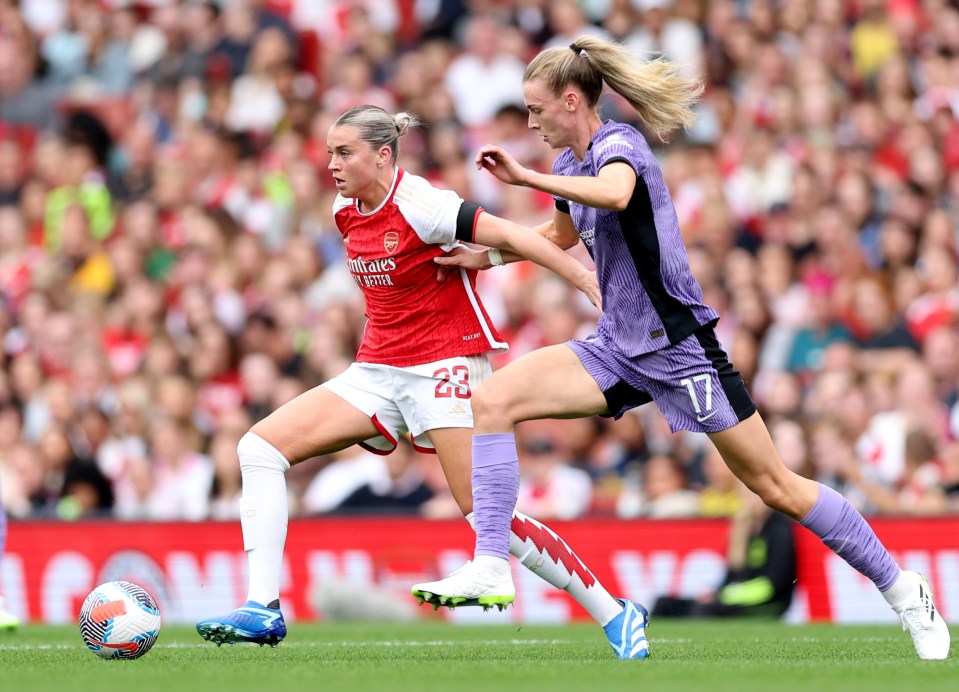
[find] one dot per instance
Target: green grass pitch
(429, 656)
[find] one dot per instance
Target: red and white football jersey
(413, 318)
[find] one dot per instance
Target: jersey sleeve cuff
(617, 159)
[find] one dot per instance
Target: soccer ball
(119, 620)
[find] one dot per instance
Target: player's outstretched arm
(611, 188)
(504, 235)
(559, 230)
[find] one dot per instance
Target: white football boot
(486, 582)
(8, 621)
(929, 632)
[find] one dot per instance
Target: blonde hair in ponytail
(404, 121)
(377, 127)
(656, 89)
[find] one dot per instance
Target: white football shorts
(412, 399)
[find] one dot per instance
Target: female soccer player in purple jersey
(655, 340)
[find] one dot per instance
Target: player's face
(548, 114)
(353, 162)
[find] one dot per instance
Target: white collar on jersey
(356, 202)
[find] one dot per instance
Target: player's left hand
(468, 258)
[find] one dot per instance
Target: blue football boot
(252, 622)
(627, 631)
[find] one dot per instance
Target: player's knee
(271, 433)
(777, 494)
(255, 451)
(772, 496)
(261, 429)
(490, 407)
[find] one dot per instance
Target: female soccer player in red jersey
(422, 354)
(655, 340)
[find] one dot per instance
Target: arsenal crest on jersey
(391, 241)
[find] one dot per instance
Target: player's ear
(384, 156)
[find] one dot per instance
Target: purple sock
(846, 533)
(495, 489)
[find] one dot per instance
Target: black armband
(466, 221)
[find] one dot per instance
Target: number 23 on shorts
(453, 382)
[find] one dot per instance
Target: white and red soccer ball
(119, 620)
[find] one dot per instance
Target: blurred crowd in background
(170, 272)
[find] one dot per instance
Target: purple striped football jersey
(650, 298)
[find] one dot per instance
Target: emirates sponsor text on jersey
(372, 272)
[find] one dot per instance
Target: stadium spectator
(123, 456)
(26, 96)
(181, 478)
(721, 495)
(255, 102)
(938, 305)
(354, 86)
(913, 405)
(627, 444)
(225, 490)
(883, 338)
(358, 481)
(566, 20)
(548, 486)
(820, 329)
(659, 32)
(760, 569)
(12, 171)
(73, 486)
(483, 79)
(663, 492)
(919, 490)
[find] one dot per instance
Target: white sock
(264, 514)
(564, 570)
(902, 589)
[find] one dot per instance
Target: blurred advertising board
(333, 564)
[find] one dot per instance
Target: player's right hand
(468, 258)
(501, 164)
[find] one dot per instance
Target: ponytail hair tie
(576, 49)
